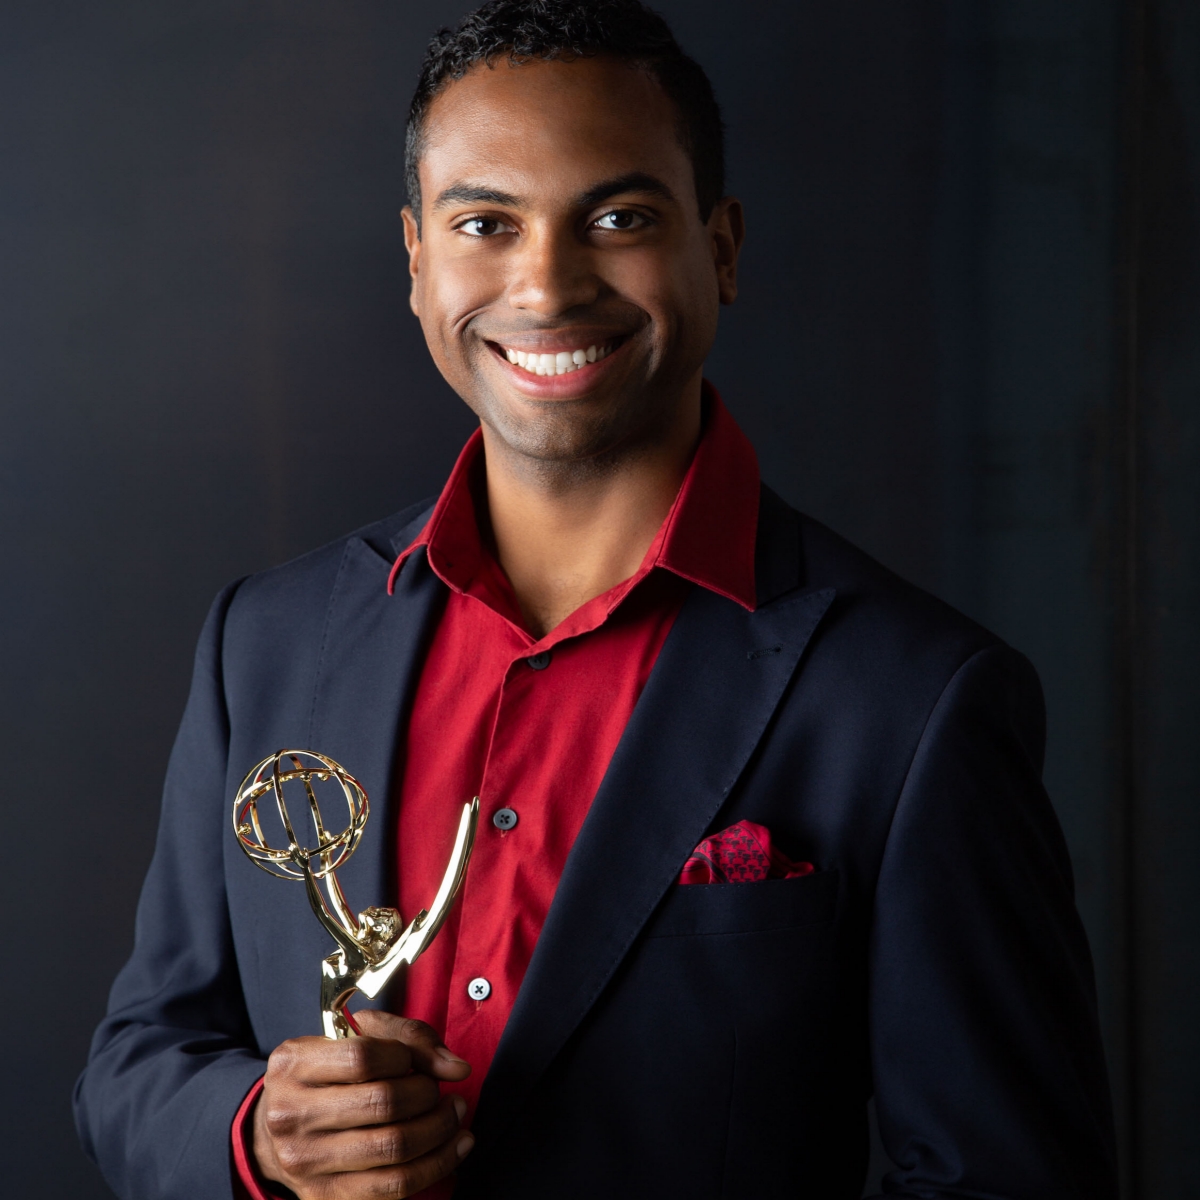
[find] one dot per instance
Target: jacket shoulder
(275, 620)
(876, 618)
(305, 582)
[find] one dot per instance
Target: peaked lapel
(718, 679)
(370, 660)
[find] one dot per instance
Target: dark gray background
(967, 340)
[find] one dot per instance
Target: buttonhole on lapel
(764, 652)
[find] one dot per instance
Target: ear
(412, 243)
(727, 227)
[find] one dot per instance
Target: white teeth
(562, 363)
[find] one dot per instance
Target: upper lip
(555, 341)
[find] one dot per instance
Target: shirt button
(539, 662)
(479, 989)
(504, 818)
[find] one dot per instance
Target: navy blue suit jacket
(701, 1041)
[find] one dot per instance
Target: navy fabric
(707, 1041)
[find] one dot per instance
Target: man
(762, 826)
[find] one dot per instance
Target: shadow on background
(966, 339)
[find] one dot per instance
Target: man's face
(560, 229)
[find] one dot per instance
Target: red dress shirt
(529, 726)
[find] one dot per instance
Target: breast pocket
(694, 909)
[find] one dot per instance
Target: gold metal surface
(373, 945)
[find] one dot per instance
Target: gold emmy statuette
(372, 946)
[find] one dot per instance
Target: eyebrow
(464, 193)
(634, 181)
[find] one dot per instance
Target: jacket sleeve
(174, 1056)
(988, 1068)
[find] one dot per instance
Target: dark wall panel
(1030, 403)
(964, 339)
(1165, 602)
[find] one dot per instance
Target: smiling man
(763, 832)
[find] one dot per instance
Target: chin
(563, 433)
(557, 441)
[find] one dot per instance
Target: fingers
(317, 1061)
(363, 1149)
(420, 1040)
(393, 1183)
(362, 1116)
(351, 1105)
(391, 1046)
(383, 1161)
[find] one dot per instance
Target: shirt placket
(481, 987)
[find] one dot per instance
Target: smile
(562, 363)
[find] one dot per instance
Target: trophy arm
(423, 928)
(337, 906)
(355, 959)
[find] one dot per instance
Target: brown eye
(622, 219)
(484, 227)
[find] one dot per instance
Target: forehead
(539, 125)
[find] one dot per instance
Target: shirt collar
(708, 537)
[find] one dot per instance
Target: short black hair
(524, 30)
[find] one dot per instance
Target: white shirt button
(479, 989)
(504, 818)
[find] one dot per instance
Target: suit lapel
(717, 682)
(370, 661)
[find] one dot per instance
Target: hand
(361, 1117)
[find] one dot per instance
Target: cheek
(678, 289)
(452, 291)
(688, 304)
(701, 287)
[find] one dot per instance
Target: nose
(552, 274)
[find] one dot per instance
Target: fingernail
(443, 1053)
(460, 1107)
(464, 1145)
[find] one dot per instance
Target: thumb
(430, 1056)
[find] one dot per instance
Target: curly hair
(525, 30)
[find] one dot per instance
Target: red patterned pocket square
(740, 854)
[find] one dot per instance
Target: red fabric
(486, 723)
(740, 854)
(248, 1184)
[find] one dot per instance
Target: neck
(565, 536)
